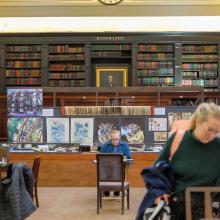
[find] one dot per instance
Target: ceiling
(92, 16)
(51, 8)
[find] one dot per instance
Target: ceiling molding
(37, 3)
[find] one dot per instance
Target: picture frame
(111, 77)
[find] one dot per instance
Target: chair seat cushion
(113, 185)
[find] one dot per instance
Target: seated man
(115, 145)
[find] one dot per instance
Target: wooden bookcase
(66, 65)
(200, 65)
(23, 65)
(155, 65)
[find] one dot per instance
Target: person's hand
(165, 197)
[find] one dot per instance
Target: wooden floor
(79, 203)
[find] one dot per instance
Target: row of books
(23, 48)
(161, 56)
(67, 48)
(155, 47)
(111, 47)
(110, 54)
(155, 72)
(23, 73)
(142, 65)
(23, 81)
(66, 67)
(23, 64)
(200, 57)
(204, 74)
(199, 66)
(212, 48)
(156, 81)
(60, 57)
(74, 75)
(200, 82)
(67, 83)
(23, 55)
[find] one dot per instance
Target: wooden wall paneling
(78, 170)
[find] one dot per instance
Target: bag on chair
(160, 212)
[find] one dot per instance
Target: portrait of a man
(111, 77)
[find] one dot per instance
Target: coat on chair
(159, 180)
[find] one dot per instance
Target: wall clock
(110, 2)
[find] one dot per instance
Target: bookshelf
(23, 65)
(67, 65)
(155, 65)
(200, 65)
(111, 51)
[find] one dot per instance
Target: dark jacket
(16, 194)
(159, 180)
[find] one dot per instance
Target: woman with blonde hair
(196, 160)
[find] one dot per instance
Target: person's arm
(164, 155)
(103, 148)
(127, 152)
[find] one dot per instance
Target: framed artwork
(103, 128)
(25, 102)
(160, 136)
(132, 130)
(25, 130)
(82, 130)
(58, 130)
(157, 124)
(111, 77)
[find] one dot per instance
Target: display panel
(82, 130)
(25, 130)
(24, 102)
(57, 130)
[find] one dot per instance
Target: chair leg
(100, 197)
(128, 198)
(36, 196)
(122, 202)
(98, 201)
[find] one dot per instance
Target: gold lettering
(110, 38)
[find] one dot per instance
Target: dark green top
(194, 163)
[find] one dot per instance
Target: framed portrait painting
(111, 77)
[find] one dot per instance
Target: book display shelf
(155, 65)
(67, 65)
(200, 65)
(23, 65)
(111, 51)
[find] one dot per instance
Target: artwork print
(157, 124)
(103, 128)
(160, 136)
(24, 102)
(82, 130)
(132, 130)
(173, 116)
(25, 130)
(58, 130)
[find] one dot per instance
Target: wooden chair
(4, 152)
(35, 170)
(207, 201)
(111, 177)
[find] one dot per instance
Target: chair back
(207, 203)
(35, 167)
(110, 167)
(4, 152)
